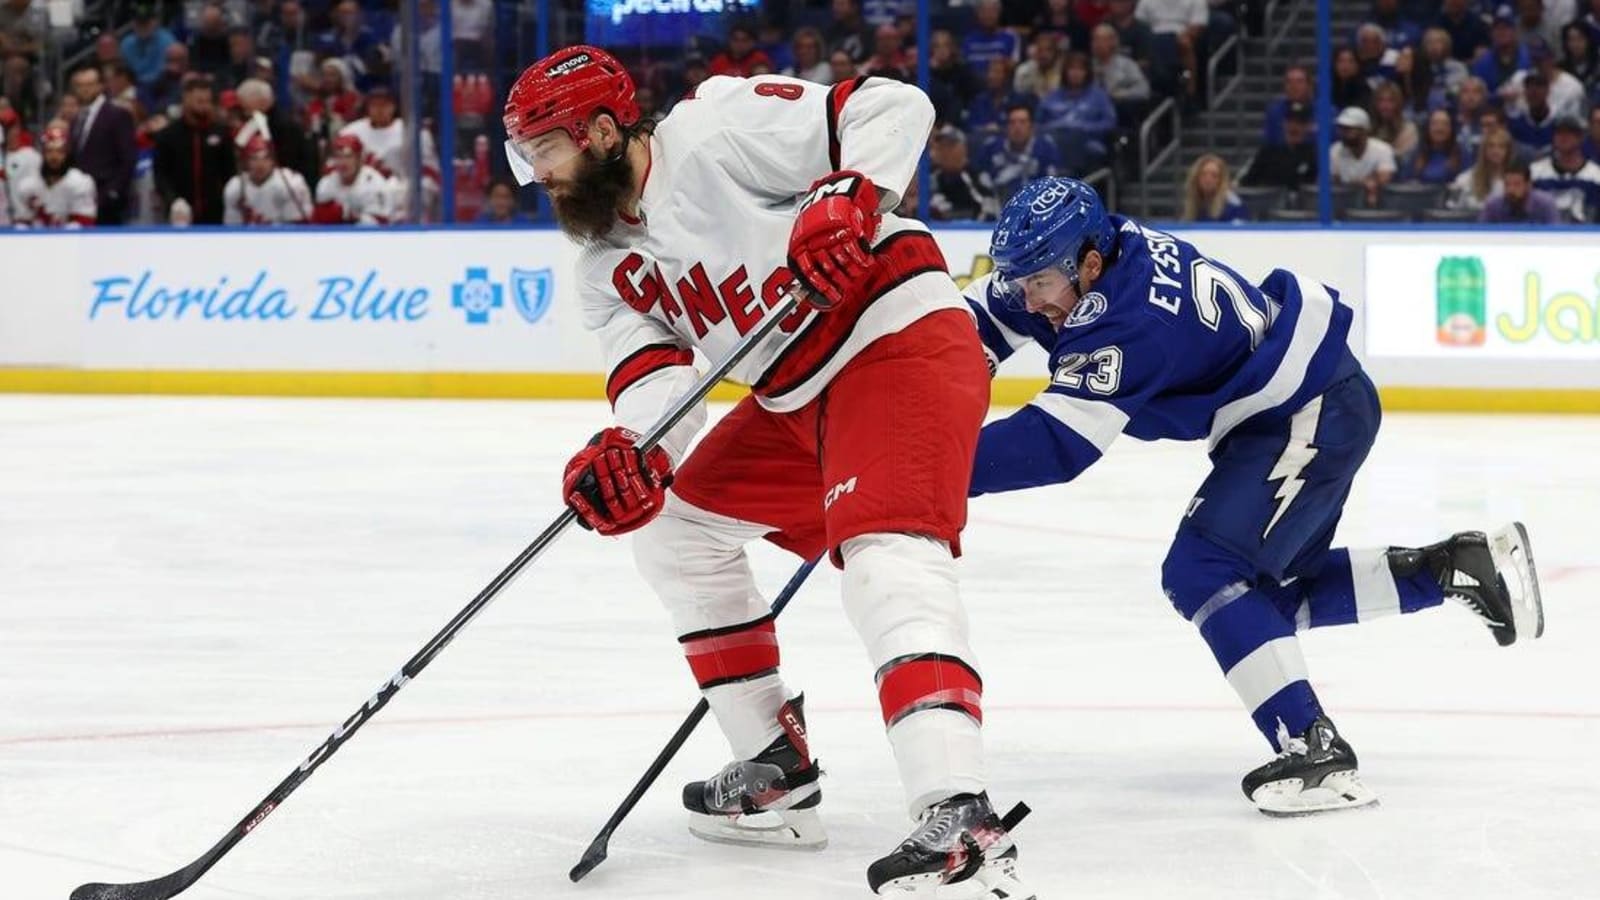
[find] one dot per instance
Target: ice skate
(1493, 576)
(960, 850)
(1315, 772)
(768, 801)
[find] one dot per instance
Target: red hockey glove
(830, 248)
(612, 486)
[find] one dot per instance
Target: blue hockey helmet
(1048, 224)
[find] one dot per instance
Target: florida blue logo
(531, 290)
(476, 295)
(1090, 307)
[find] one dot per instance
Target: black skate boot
(960, 850)
(769, 801)
(1493, 576)
(1315, 772)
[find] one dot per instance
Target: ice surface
(193, 591)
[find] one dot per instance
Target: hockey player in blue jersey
(1147, 336)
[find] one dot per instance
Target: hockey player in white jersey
(264, 193)
(21, 160)
(58, 195)
(857, 439)
(352, 192)
(383, 138)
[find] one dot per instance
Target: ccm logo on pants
(839, 490)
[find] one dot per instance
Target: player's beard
(586, 208)
(50, 173)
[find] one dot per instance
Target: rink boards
(1457, 319)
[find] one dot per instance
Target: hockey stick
(175, 883)
(596, 854)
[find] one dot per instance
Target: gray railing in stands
(1150, 161)
(1290, 10)
(1104, 181)
(1215, 95)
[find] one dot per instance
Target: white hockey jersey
(69, 203)
(708, 256)
(282, 198)
(364, 201)
(20, 163)
(384, 149)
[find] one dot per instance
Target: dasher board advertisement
(1480, 301)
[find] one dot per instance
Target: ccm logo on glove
(830, 247)
(613, 486)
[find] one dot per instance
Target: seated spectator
(241, 58)
(1135, 36)
(1400, 30)
(22, 89)
(1080, 116)
(1296, 90)
(1179, 29)
(1376, 57)
(810, 62)
(1430, 75)
(1535, 27)
(1468, 35)
(58, 195)
(1533, 121)
(1056, 19)
(351, 40)
(145, 45)
(1357, 159)
(742, 55)
(1389, 122)
(1471, 103)
(1040, 73)
(1519, 201)
(1120, 76)
(24, 27)
(1017, 157)
(986, 114)
(841, 67)
(1350, 87)
(888, 59)
(1438, 158)
(958, 192)
(1291, 164)
(951, 85)
(1591, 144)
(1579, 55)
(208, 43)
(1571, 179)
(1506, 54)
(1208, 193)
(1590, 21)
(1566, 91)
(165, 93)
(1472, 188)
(987, 40)
(1086, 16)
(500, 207)
(106, 49)
(336, 103)
(695, 72)
(849, 31)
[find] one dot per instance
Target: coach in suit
(103, 145)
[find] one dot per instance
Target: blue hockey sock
(1354, 586)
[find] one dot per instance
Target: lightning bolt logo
(1293, 461)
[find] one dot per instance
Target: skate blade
(790, 829)
(996, 879)
(1289, 799)
(1513, 559)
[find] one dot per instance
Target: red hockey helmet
(562, 92)
(346, 143)
(56, 137)
(257, 146)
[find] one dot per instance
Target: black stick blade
(592, 857)
(156, 889)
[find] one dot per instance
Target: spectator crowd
(1493, 112)
(281, 111)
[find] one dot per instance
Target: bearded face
(587, 192)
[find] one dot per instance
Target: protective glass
(533, 159)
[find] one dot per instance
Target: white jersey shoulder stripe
(1096, 421)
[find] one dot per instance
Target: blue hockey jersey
(1168, 344)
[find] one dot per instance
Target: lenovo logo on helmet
(567, 65)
